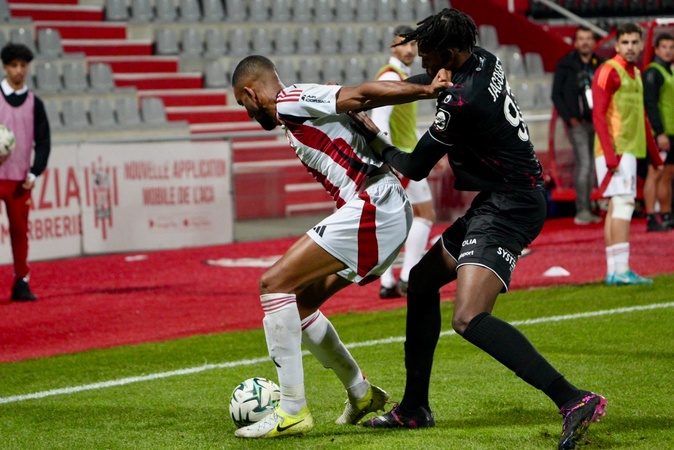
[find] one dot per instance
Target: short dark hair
(450, 28)
(583, 28)
(12, 51)
(663, 37)
(249, 65)
(628, 28)
(402, 30)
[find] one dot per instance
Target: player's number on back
(514, 116)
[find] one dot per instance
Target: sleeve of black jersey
(418, 164)
(451, 117)
(42, 137)
(653, 81)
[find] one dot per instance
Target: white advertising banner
(155, 195)
(54, 226)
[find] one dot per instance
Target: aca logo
(102, 192)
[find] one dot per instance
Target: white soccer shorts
(623, 181)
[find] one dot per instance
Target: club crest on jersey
(441, 120)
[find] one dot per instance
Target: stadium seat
(74, 77)
(525, 95)
(422, 9)
(515, 65)
(152, 111)
(166, 41)
(323, 11)
(302, 11)
(214, 41)
(49, 42)
(100, 77)
(190, 11)
(3, 41)
(238, 42)
(47, 78)
(348, 41)
(116, 10)
(101, 113)
(384, 11)
(258, 11)
(426, 108)
(126, 111)
(331, 70)
(284, 43)
(191, 43)
(439, 5)
(165, 11)
(286, 70)
(4, 11)
(534, 63)
(215, 75)
(306, 43)
(373, 66)
(405, 11)
(365, 11)
(280, 11)
(343, 11)
(543, 98)
(53, 115)
(261, 41)
(309, 71)
(353, 72)
(488, 37)
(369, 41)
(327, 41)
(236, 10)
(74, 114)
(214, 11)
(141, 11)
(23, 36)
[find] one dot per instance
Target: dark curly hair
(13, 51)
(450, 28)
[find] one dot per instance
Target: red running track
(107, 301)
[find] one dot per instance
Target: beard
(267, 122)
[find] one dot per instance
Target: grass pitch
(174, 395)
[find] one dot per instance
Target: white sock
(610, 260)
(388, 279)
(415, 245)
(283, 331)
(320, 337)
(621, 253)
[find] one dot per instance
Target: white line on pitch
(248, 362)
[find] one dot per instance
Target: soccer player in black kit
(480, 127)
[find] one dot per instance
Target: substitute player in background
(479, 126)
(623, 135)
(400, 123)
(353, 245)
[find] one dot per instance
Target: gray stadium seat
(514, 62)
(373, 66)
(286, 70)
(439, 5)
(166, 41)
(101, 113)
(365, 11)
(280, 11)
(302, 11)
(488, 37)
(261, 41)
(343, 11)
(214, 41)
(534, 63)
(405, 11)
(348, 41)
(306, 43)
(53, 115)
(3, 41)
(525, 95)
(152, 110)
(353, 72)
(215, 75)
(116, 10)
(323, 11)
(23, 36)
(258, 11)
(49, 42)
(74, 77)
(141, 11)
(126, 110)
(543, 99)
(236, 10)
(422, 9)
(100, 77)
(74, 114)
(190, 42)
(283, 42)
(4, 11)
(190, 11)
(327, 41)
(384, 10)
(238, 42)
(47, 78)
(309, 71)
(165, 11)
(369, 41)
(214, 11)
(331, 70)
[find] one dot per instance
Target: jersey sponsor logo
(472, 241)
(313, 99)
(470, 253)
(507, 256)
(441, 120)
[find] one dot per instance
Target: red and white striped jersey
(326, 143)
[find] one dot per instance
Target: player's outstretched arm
(373, 94)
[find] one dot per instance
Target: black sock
(423, 332)
(512, 349)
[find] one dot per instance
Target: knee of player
(623, 207)
(268, 284)
(460, 322)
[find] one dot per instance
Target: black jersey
(479, 125)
